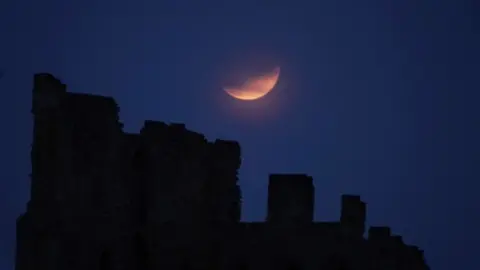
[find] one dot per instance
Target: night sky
(377, 98)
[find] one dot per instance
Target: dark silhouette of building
(166, 198)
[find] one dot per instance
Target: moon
(255, 87)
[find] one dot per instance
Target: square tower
(291, 199)
(353, 214)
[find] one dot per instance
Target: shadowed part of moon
(255, 88)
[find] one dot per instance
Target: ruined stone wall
(174, 173)
(222, 190)
(189, 185)
(168, 199)
(93, 181)
(77, 193)
(100, 195)
(48, 96)
(74, 151)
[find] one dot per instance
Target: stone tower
(290, 199)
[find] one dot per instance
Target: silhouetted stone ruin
(166, 198)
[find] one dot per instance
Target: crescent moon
(256, 87)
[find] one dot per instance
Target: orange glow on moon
(255, 88)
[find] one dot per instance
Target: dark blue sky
(377, 97)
